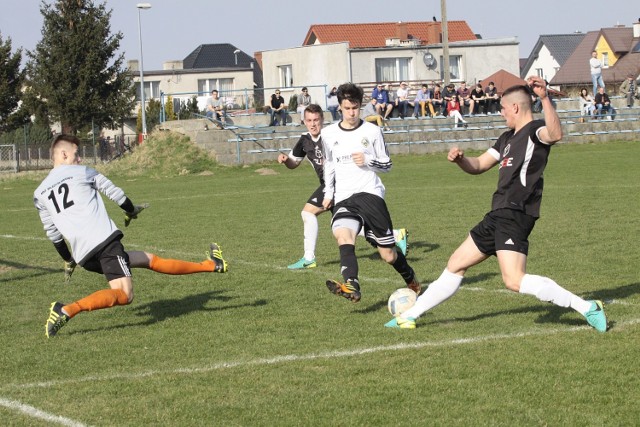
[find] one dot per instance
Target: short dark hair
(517, 88)
(72, 139)
(313, 109)
(350, 92)
(214, 90)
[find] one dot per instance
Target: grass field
(264, 346)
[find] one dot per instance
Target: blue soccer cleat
(400, 323)
(402, 240)
(596, 317)
(302, 263)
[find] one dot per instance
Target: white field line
(310, 357)
(32, 412)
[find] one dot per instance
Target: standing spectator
(447, 95)
(278, 108)
(629, 89)
(383, 107)
(603, 103)
(304, 100)
(402, 100)
(453, 110)
(492, 99)
(215, 107)
(479, 98)
(355, 153)
(587, 104)
(522, 153)
(464, 95)
(332, 104)
(596, 72)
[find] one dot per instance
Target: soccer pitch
(265, 346)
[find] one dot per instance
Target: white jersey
(342, 177)
(70, 207)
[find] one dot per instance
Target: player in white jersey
(355, 153)
(521, 154)
(71, 208)
(310, 146)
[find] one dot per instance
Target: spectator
(437, 101)
(393, 98)
(492, 99)
(278, 108)
(537, 102)
(464, 95)
(479, 99)
(447, 95)
(453, 109)
(603, 103)
(629, 89)
(596, 72)
(587, 104)
(371, 115)
(215, 107)
(383, 107)
(422, 99)
(304, 100)
(332, 104)
(402, 100)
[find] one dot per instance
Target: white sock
(437, 292)
(310, 222)
(547, 290)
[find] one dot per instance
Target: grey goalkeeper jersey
(70, 207)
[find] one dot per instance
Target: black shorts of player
(112, 261)
(317, 197)
(372, 213)
(503, 230)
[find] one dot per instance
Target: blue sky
(172, 29)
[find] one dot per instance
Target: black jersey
(306, 146)
(522, 158)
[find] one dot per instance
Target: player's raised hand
(69, 266)
(282, 158)
(455, 154)
(129, 216)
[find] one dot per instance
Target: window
(455, 67)
(221, 85)
(605, 59)
(392, 69)
(286, 75)
(540, 72)
(151, 90)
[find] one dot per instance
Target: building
(549, 54)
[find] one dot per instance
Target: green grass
(264, 346)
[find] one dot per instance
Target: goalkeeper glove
(128, 216)
(69, 266)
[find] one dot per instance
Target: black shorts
(112, 261)
(317, 197)
(372, 213)
(503, 230)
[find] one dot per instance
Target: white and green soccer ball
(400, 301)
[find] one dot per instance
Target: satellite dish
(429, 60)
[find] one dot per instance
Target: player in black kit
(521, 154)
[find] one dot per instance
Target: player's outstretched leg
(57, 319)
(402, 240)
(215, 254)
(596, 317)
(349, 290)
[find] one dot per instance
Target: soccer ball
(400, 301)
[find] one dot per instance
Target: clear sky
(173, 29)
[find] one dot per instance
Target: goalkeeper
(70, 208)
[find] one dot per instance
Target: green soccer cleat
(215, 254)
(596, 317)
(57, 319)
(302, 263)
(400, 323)
(402, 240)
(349, 290)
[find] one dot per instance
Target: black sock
(348, 262)
(402, 266)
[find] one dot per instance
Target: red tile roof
(375, 34)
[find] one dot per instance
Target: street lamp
(141, 6)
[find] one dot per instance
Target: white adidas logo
(509, 242)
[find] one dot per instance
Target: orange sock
(97, 300)
(176, 266)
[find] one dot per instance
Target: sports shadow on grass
(7, 267)
(620, 292)
(159, 311)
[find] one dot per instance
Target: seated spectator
(383, 107)
(370, 114)
(332, 104)
(629, 90)
(453, 109)
(215, 107)
(438, 102)
(402, 100)
(464, 95)
(603, 104)
(587, 104)
(278, 108)
(422, 99)
(492, 99)
(393, 97)
(447, 95)
(304, 100)
(479, 99)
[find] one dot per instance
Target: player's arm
(57, 239)
(379, 160)
(552, 131)
(116, 194)
(472, 165)
(329, 176)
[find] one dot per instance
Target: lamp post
(141, 6)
